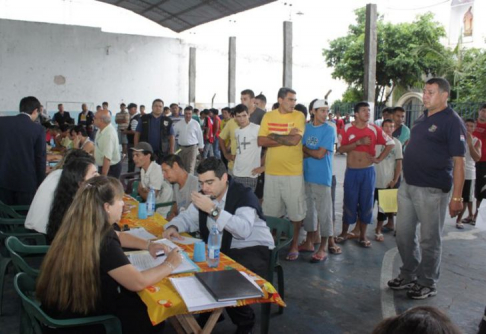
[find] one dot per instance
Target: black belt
(188, 145)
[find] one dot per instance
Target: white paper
(141, 233)
(143, 261)
(186, 240)
(195, 295)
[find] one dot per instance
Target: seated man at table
(236, 211)
(151, 176)
(184, 184)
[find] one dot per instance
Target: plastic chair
(13, 211)
(279, 227)
(18, 251)
(161, 205)
(25, 288)
(13, 227)
(127, 180)
(134, 192)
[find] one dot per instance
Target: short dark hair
(226, 108)
(483, 106)
(300, 107)
(240, 108)
(188, 108)
(400, 109)
(275, 105)
(282, 92)
(359, 105)
(261, 97)
(77, 153)
(196, 111)
(212, 164)
(80, 129)
(214, 111)
(387, 110)
(157, 100)
(104, 103)
(174, 104)
(65, 127)
(60, 104)
(386, 121)
(417, 320)
(170, 159)
(311, 105)
(248, 92)
(443, 84)
(98, 106)
(54, 128)
(123, 104)
(142, 106)
(132, 105)
(29, 104)
(469, 120)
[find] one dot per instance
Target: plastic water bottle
(151, 202)
(214, 244)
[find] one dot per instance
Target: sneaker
(400, 284)
(421, 292)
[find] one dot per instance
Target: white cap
(320, 104)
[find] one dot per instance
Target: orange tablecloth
(162, 299)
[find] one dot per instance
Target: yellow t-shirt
(228, 135)
(283, 160)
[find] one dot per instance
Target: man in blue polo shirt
(318, 146)
(432, 164)
(157, 130)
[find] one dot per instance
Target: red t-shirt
(351, 134)
(480, 132)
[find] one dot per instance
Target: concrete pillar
(370, 56)
(287, 54)
(232, 71)
(192, 76)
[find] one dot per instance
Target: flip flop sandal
(379, 237)
(335, 250)
(467, 220)
(316, 258)
(387, 229)
(292, 256)
(460, 226)
(365, 243)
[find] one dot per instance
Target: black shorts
(480, 191)
(467, 194)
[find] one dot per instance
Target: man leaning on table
(236, 211)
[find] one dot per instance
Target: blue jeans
(216, 151)
(421, 258)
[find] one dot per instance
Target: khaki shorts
(319, 209)
(284, 195)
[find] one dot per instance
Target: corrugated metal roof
(180, 15)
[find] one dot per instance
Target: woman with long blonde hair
(86, 273)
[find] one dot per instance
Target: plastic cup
(142, 211)
(199, 252)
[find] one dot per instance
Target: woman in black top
(86, 273)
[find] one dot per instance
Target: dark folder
(228, 285)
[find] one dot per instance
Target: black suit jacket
(22, 153)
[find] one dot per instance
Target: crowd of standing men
(287, 162)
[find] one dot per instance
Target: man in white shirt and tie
(190, 139)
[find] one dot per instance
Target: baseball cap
(320, 104)
(143, 147)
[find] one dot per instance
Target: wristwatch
(214, 212)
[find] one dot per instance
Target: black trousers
(131, 163)
(12, 197)
(114, 171)
(256, 259)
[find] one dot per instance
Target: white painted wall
(97, 66)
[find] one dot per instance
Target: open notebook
(143, 260)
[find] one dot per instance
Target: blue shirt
(154, 132)
(434, 140)
(319, 170)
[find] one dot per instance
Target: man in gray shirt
(248, 99)
(183, 182)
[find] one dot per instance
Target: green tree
(470, 85)
(406, 53)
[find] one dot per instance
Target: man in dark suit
(62, 117)
(22, 154)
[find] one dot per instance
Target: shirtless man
(359, 139)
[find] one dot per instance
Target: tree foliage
(406, 53)
(469, 76)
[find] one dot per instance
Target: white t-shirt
(107, 145)
(38, 215)
(153, 178)
(470, 166)
(247, 151)
(385, 170)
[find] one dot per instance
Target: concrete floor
(347, 293)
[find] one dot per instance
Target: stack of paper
(141, 233)
(195, 295)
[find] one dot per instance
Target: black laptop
(228, 285)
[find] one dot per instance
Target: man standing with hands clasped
(432, 165)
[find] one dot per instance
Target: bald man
(107, 150)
